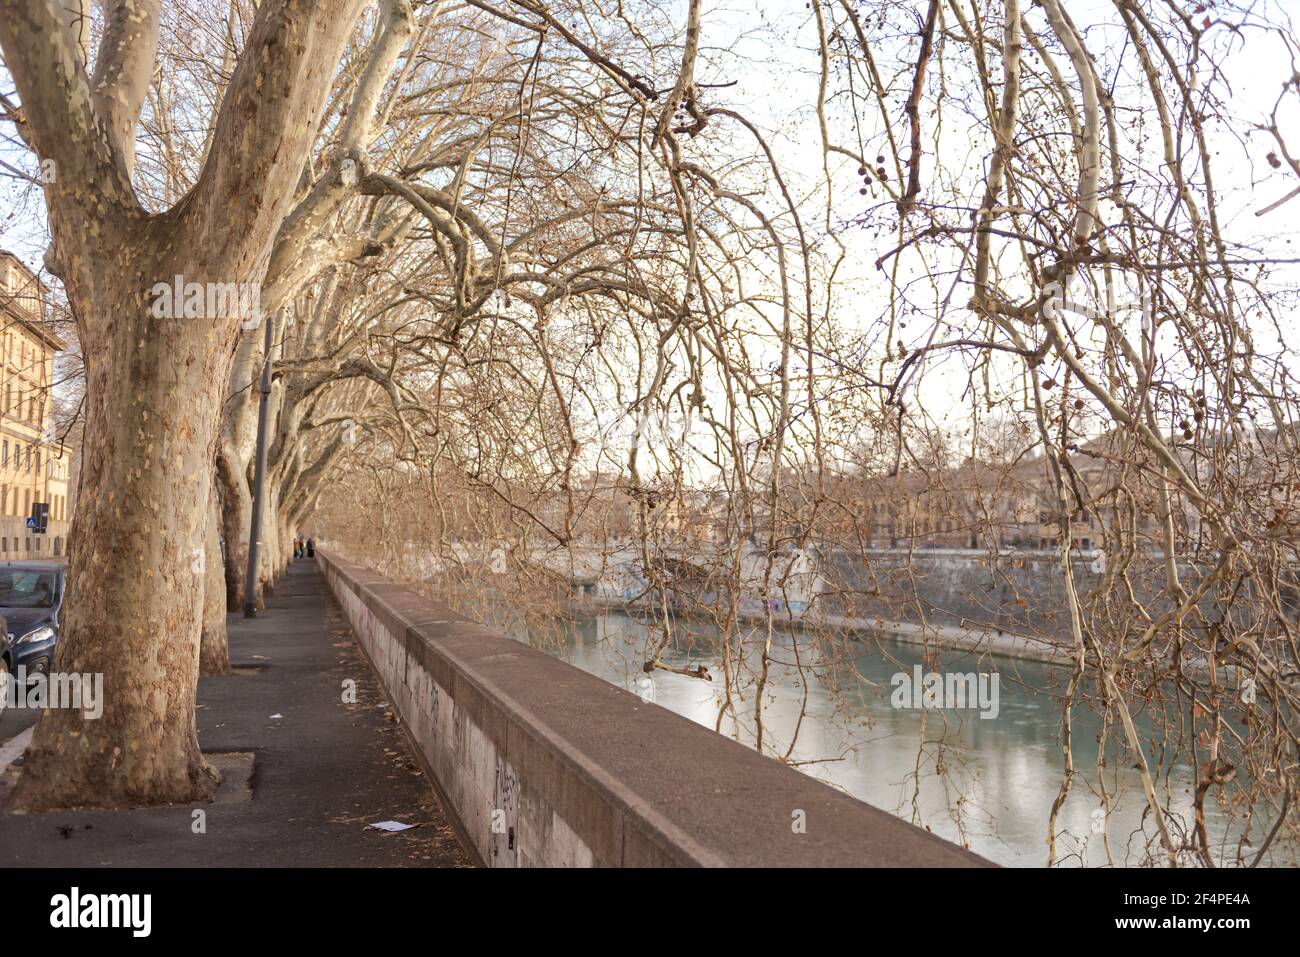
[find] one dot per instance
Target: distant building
(33, 465)
(975, 506)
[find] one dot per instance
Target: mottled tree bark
(214, 651)
(233, 492)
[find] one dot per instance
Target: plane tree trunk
(234, 451)
(135, 592)
(235, 505)
(214, 649)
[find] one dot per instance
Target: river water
(986, 782)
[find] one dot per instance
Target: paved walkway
(322, 770)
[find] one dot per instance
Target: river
(986, 782)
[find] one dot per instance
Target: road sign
(40, 517)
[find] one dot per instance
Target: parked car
(4, 667)
(31, 595)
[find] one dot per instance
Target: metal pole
(259, 477)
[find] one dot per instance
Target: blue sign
(31, 523)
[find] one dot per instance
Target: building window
(58, 545)
(4, 453)
(29, 543)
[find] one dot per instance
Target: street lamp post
(259, 476)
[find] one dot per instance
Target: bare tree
(153, 384)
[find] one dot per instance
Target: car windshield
(26, 589)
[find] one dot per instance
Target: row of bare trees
(1077, 339)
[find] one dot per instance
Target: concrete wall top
(610, 764)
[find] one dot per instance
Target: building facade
(33, 464)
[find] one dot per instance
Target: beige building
(33, 466)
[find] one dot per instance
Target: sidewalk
(321, 772)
